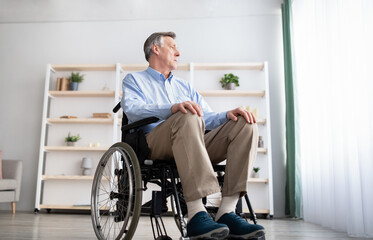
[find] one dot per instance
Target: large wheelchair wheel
(116, 194)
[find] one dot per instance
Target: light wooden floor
(78, 226)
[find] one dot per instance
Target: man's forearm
(140, 111)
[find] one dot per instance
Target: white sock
(227, 205)
(195, 207)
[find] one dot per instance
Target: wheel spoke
(115, 207)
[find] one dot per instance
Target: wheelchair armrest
(117, 107)
(139, 123)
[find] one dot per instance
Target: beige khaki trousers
(182, 137)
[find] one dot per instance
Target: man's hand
(188, 105)
(233, 114)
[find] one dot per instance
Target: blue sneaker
(201, 226)
(239, 228)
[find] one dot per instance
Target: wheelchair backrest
(135, 137)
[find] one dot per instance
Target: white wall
(34, 33)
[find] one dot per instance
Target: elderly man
(180, 134)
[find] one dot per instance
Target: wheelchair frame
(123, 174)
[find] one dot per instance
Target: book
(65, 84)
(101, 115)
(58, 86)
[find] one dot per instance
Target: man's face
(168, 53)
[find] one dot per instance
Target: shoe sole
(217, 234)
(257, 235)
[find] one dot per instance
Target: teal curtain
(293, 193)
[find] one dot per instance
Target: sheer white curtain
(333, 53)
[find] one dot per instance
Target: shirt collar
(157, 75)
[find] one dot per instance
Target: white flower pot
(230, 86)
(255, 175)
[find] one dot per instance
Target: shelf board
(134, 67)
(262, 150)
(83, 67)
(80, 120)
(229, 66)
(232, 93)
(261, 121)
(142, 67)
(81, 93)
(73, 207)
(258, 211)
(183, 67)
(67, 148)
(258, 180)
(65, 177)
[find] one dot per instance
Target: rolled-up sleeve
(214, 119)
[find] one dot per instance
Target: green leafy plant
(73, 138)
(256, 169)
(229, 78)
(76, 77)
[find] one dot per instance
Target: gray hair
(155, 39)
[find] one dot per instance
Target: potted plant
(75, 79)
(256, 172)
(71, 140)
(229, 81)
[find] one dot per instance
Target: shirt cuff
(222, 116)
(164, 111)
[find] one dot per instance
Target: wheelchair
(122, 176)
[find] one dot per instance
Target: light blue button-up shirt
(150, 94)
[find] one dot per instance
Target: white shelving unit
(59, 182)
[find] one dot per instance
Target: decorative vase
(255, 174)
(74, 86)
(260, 142)
(70, 144)
(230, 86)
(86, 166)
